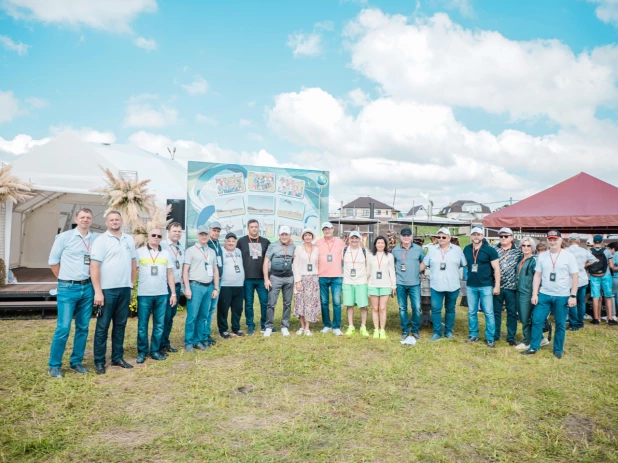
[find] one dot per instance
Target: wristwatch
(573, 295)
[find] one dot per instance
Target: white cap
(307, 230)
(284, 229)
(327, 225)
(574, 237)
(355, 233)
(444, 230)
(477, 230)
(505, 230)
(589, 242)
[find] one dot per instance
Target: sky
(439, 99)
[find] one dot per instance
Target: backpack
(600, 267)
(346, 250)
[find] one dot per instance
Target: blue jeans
(115, 308)
(507, 295)
(576, 314)
(197, 313)
(334, 284)
(549, 304)
(147, 305)
(414, 293)
(211, 311)
(73, 300)
(484, 296)
(449, 299)
(170, 313)
(250, 286)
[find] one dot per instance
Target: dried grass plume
(158, 220)
(13, 189)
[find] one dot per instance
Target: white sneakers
(300, 332)
(337, 332)
(544, 342)
(308, 333)
(285, 332)
(522, 346)
(268, 332)
(408, 341)
(326, 329)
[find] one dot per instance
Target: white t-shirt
(233, 270)
(153, 267)
(355, 259)
(582, 256)
(563, 266)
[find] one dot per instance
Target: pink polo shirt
(334, 249)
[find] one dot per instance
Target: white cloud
(9, 107)
(435, 61)
(147, 111)
(251, 104)
(245, 123)
(305, 44)
(37, 103)
(87, 134)
(20, 48)
(324, 26)
(607, 11)
(464, 6)
(255, 137)
(207, 120)
(109, 15)
(21, 143)
(147, 44)
(199, 86)
(358, 98)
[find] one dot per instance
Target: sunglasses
(156, 236)
(503, 237)
(442, 237)
(526, 246)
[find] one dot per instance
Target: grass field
(317, 399)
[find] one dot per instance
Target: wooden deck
(31, 281)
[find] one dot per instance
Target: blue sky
(270, 82)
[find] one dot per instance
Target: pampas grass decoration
(13, 189)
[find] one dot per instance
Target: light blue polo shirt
(177, 256)
(413, 258)
(116, 256)
(447, 279)
(70, 250)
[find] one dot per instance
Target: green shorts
(379, 291)
(355, 294)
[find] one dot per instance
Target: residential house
(465, 210)
(360, 208)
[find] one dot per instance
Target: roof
(457, 207)
(433, 221)
(581, 202)
(415, 209)
(363, 201)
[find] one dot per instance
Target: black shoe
(210, 340)
(491, 344)
(416, 335)
(190, 349)
(99, 369)
(140, 359)
(225, 335)
(472, 339)
(528, 352)
(55, 372)
(169, 349)
(122, 364)
(79, 368)
(612, 322)
(157, 356)
(511, 343)
(596, 322)
(239, 333)
(557, 355)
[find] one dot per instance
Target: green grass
(322, 399)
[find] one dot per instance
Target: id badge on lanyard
(177, 265)
(353, 272)
(329, 258)
(475, 268)
(154, 270)
(86, 259)
(378, 275)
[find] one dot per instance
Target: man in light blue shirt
(113, 273)
(70, 261)
(444, 260)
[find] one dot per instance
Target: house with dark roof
(360, 208)
(418, 211)
(465, 210)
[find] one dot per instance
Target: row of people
(102, 269)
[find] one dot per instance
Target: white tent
(64, 172)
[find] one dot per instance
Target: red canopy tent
(580, 204)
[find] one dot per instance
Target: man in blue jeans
(556, 276)
(175, 249)
(70, 261)
(213, 243)
(408, 257)
(584, 259)
(330, 273)
(253, 248)
(482, 284)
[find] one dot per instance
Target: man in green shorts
(355, 283)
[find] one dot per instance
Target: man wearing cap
(584, 259)
(408, 257)
(200, 275)
(213, 243)
(355, 290)
(482, 284)
(553, 289)
(232, 281)
(69, 260)
(509, 257)
(176, 251)
(331, 277)
(253, 248)
(444, 260)
(279, 277)
(601, 280)
(113, 271)
(156, 279)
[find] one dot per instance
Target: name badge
(378, 275)
(236, 268)
(403, 267)
(209, 270)
(310, 267)
(329, 258)
(255, 255)
(552, 276)
(219, 261)
(443, 266)
(353, 272)
(154, 270)
(475, 268)
(177, 265)
(206, 265)
(285, 263)
(86, 259)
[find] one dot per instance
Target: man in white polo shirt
(176, 251)
(155, 277)
(112, 270)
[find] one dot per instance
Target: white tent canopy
(64, 172)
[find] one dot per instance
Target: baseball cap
(477, 230)
(553, 235)
(406, 232)
(505, 230)
(215, 225)
(574, 237)
(355, 233)
(444, 230)
(284, 229)
(307, 230)
(327, 225)
(203, 229)
(231, 235)
(597, 239)
(589, 242)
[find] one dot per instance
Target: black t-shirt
(253, 266)
(485, 274)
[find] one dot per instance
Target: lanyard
(475, 255)
(404, 253)
(380, 261)
(216, 245)
(285, 252)
(232, 255)
(86, 245)
(154, 259)
(175, 249)
(308, 253)
(254, 246)
(522, 265)
(553, 262)
(199, 249)
(330, 246)
(505, 254)
(444, 253)
(354, 256)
